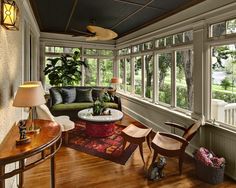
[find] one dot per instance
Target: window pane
(169, 40)
(138, 75)
(178, 38)
(223, 59)
(160, 43)
(231, 26)
(106, 68)
(148, 45)
(184, 81)
(58, 49)
(188, 36)
(76, 50)
(106, 52)
(148, 76)
(91, 73)
(137, 48)
(218, 29)
(165, 77)
(49, 49)
(122, 73)
(90, 51)
(128, 75)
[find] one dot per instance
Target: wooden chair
(171, 145)
(136, 135)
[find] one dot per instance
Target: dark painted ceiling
(122, 16)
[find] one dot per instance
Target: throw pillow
(68, 95)
(97, 94)
(56, 96)
(112, 93)
(84, 95)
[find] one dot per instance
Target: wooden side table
(45, 144)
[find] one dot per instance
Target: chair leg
(154, 156)
(148, 142)
(66, 137)
(180, 164)
(124, 144)
(141, 151)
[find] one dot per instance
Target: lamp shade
(35, 83)
(116, 80)
(29, 96)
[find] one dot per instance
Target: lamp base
(33, 130)
(23, 141)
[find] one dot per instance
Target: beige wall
(10, 77)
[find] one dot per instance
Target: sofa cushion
(111, 105)
(72, 106)
(68, 95)
(97, 93)
(83, 95)
(56, 96)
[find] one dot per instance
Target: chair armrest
(118, 101)
(176, 125)
(176, 137)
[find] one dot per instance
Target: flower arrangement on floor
(209, 167)
(209, 158)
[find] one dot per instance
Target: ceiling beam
(138, 4)
(133, 13)
(71, 14)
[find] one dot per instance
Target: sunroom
(178, 67)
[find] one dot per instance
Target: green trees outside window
(164, 75)
(148, 76)
(91, 72)
(106, 71)
(138, 75)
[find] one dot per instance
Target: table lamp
(29, 95)
(116, 81)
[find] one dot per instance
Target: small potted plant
(98, 107)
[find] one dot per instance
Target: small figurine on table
(22, 130)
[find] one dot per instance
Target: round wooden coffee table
(100, 126)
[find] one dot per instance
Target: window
(137, 48)
(106, 71)
(223, 28)
(223, 87)
(138, 75)
(148, 45)
(148, 76)
(91, 72)
(164, 75)
(184, 80)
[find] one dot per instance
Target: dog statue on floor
(155, 171)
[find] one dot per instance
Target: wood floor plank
(75, 169)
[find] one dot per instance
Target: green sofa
(69, 100)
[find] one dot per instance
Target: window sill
(155, 106)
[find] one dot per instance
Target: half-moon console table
(45, 144)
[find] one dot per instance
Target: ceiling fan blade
(102, 33)
(82, 32)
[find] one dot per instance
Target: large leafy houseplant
(64, 70)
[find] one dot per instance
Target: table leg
(52, 168)
(21, 175)
(2, 172)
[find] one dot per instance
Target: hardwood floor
(75, 169)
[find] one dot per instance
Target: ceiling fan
(97, 33)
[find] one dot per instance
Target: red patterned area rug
(109, 148)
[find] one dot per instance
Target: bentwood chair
(64, 121)
(171, 145)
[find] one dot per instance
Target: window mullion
(173, 78)
(155, 78)
(143, 63)
(132, 75)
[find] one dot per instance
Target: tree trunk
(188, 70)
